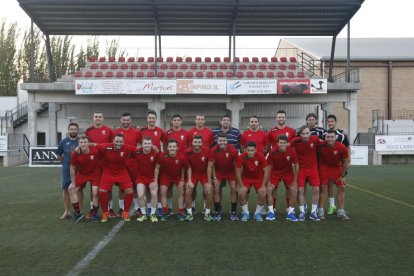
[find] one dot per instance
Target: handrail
(26, 143)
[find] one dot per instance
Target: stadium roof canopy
(191, 17)
(363, 49)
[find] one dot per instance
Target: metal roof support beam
(50, 60)
(32, 52)
(348, 53)
(331, 62)
(159, 45)
(155, 45)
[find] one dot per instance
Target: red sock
(103, 200)
(274, 202)
(287, 202)
(128, 201)
(76, 207)
(180, 210)
(165, 210)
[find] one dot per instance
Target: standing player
(221, 167)
(283, 166)
(312, 122)
(333, 163)
(64, 151)
(170, 170)
(251, 170)
(84, 167)
(306, 149)
(232, 133)
(342, 138)
(98, 134)
(197, 157)
(114, 171)
(131, 138)
(146, 158)
(202, 131)
(256, 135)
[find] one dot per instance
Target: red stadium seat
(88, 74)
(246, 59)
(255, 59)
(140, 74)
(102, 59)
(144, 66)
(153, 67)
(231, 66)
(114, 66)
(141, 59)
(283, 59)
(189, 74)
(252, 67)
(199, 74)
(129, 74)
(94, 66)
(111, 59)
(160, 59)
(121, 59)
(178, 59)
(270, 75)
(131, 59)
(169, 59)
(273, 59)
(179, 74)
(98, 74)
(160, 74)
(264, 59)
(198, 59)
(193, 66)
(104, 66)
(203, 66)
(124, 66)
(249, 74)
(134, 66)
(290, 75)
(240, 75)
(301, 75)
(150, 59)
(229, 74)
(210, 75)
(282, 67)
(217, 59)
(109, 74)
(292, 59)
(272, 67)
(223, 66)
(242, 67)
(188, 59)
(92, 59)
(174, 66)
(78, 74)
(150, 74)
(259, 75)
(280, 75)
(262, 66)
(292, 67)
(213, 66)
(237, 59)
(170, 75)
(183, 66)
(164, 66)
(219, 74)
(120, 74)
(227, 59)
(207, 59)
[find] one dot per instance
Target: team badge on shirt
(176, 161)
(335, 152)
(227, 155)
(92, 157)
(256, 163)
(152, 158)
(182, 137)
(155, 133)
(312, 145)
(203, 159)
(287, 134)
(287, 158)
(122, 153)
(103, 132)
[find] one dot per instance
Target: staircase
(18, 115)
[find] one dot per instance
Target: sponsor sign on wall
(43, 157)
(252, 87)
(302, 86)
(122, 86)
(201, 86)
(394, 143)
(3, 143)
(359, 155)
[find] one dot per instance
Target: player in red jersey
(256, 135)
(131, 138)
(251, 170)
(197, 157)
(151, 130)
(200, 129)
(283, 166)
(114, 170)
(84, 167)
(170, 169)
(146, 158)
(333, 163)
(221, 168)
(306, 149)
(98, 134)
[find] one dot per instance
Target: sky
(376, 18)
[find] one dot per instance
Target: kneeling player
(251, 170)
(170, 169)
(333, 163)
(84, 167)
(283, 166)
(146, 158)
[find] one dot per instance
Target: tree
(62, 55)
(112, 48)
(9, 75)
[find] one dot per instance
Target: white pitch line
(98, 248)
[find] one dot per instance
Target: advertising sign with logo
(359, 155)
(252, 87)
(128, 87)
(302, 86)
(43, 157)
(3, 143)
(201, 86)
(394, 143)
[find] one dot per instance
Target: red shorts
(333, 175)
(122, 183)
(166, 181)
(311, 174)
(229, 176)
(275, 180)
(256, 183)
(144, 180)
(196, 178)
(81, 180)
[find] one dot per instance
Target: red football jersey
(157, 135)
(131, 135)
(281, 162)
(146, 163)
(252, 168)
(207, 134)
(275, 132)
(100, 135)
(180, 136)
(306, 151)
(87, 164)
(259, 137)
(331, 157)
(224, 160)
(198, 161)
(171, 166)
(114, 162)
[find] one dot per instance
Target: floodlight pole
(155, 47)
(31, 52)
(159, 45)
(234, 46)
(50, 60)
(348, 53)
(330, 78)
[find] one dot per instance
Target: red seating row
(193, 66)
(189, 74)
(190, 59)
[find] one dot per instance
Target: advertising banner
(359, 155)
(128, 87)
(251, 87)
(3, 143)
(43, 157)
(201, 86)
(302, 86)
(394, 143)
